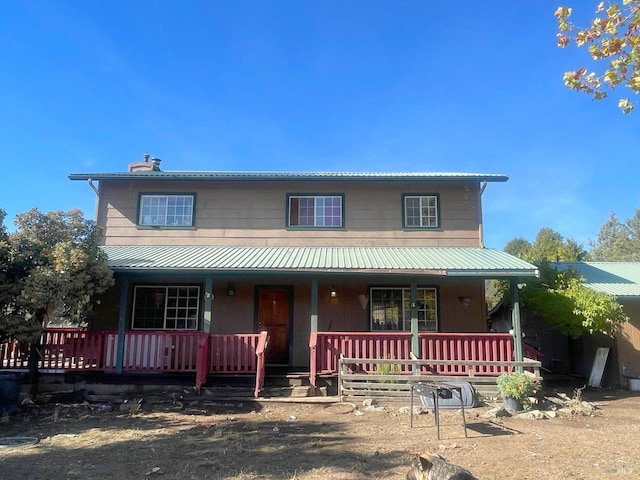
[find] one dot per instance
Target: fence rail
(353, 381)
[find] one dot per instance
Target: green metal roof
(621, 279)
(291, 176)
(355, 260)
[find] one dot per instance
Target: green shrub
(518, 385)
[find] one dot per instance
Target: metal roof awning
(620, 279)
(153, 175)
(439, 261)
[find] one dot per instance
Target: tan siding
(628, 341)
(248, 213)
(453, 317)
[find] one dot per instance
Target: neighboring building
(309, 257)
(622, 280)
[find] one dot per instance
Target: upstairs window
(421, 211)
(166, 210)
(315, 211)
(391, 309)
(166, 307)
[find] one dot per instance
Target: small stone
(532, 415)
(417, 410)
(374, 408)
(368, 402)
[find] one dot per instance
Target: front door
(274, 311)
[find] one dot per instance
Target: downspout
(483, 186)
(313, 327)
(93, 187)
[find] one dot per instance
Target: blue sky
(361, 85)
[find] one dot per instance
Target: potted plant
(515, 388)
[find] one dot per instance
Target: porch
(454, 355)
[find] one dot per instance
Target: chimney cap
(146, 156)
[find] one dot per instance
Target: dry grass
(247, 441)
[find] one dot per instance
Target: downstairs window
(165, 307)
(390, 309)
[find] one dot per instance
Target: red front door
(274, 311)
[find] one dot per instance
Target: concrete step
(287, 380)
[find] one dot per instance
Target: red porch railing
(160, 351)
(325, 349)
(72, 349)
(233, 353)
(14, 355)
(263, 342)
(489, 347)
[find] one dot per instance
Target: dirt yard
(198, 438)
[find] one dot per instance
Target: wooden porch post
(314, 305)
(208, 297)
(124, 290)
(515, 322)
(202, 363)
(415, 340)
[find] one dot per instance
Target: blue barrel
(10, 384)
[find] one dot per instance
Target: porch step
(294, 391)
(287, 379)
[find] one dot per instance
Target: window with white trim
(158, 307)
(390, 309)
(166, 210)
(315, 211)
(421, 211)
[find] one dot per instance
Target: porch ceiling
(445, 261)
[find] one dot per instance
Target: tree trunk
(33, 376)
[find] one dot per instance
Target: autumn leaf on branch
(612, 36)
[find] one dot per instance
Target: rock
(496, 412)
(368, 402)
(417, 410)
(532, 415)
(375, 408)
(154, 470)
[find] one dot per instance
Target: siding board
(249, 213)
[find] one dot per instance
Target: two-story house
(371, 264)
